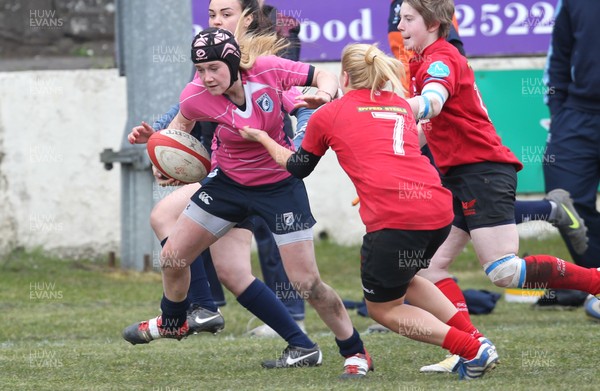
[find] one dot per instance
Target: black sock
(173, 313)
(351, 346)
(199, 292)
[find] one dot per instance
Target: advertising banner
(502, 27)
(326, 26)
(521, 27)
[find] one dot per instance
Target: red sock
(546, 271)
(451, 290)
(461, 343)
(459, 321)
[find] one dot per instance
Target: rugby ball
(178, 155)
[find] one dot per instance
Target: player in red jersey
(406, 210)
(475, 166)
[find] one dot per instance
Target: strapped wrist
(325, 92)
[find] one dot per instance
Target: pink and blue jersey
(265, 84)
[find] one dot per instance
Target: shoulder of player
(342, 102)
(440, 64)
(446, 53)
(326, 112)
(397, 100)
(195, 86)
(329, 112)
(266, 64)
(268, 61)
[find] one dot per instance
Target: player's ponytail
(255, 45)
(259, 41)
(370, 68)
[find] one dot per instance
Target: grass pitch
(62, 322)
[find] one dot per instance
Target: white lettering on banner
(514, 18)
(360, 29)
(334, 30)
(517, 12)
(367, 26)
(310, 31)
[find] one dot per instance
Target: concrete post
(154, 37)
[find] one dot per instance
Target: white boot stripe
(153, 327)
(360, 362)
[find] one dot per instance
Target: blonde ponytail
(370, 68)
(255, 44)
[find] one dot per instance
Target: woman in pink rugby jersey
(243, 17)
(236, 89)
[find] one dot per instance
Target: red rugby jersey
(377, 145)
(463, 132)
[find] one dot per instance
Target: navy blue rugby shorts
(283, 205)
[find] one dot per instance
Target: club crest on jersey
(265, 103)
(438, 69)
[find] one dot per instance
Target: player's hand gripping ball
(178, 155)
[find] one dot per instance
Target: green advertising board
(515, 101)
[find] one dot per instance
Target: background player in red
(401, 236)
(557, 207)
(475, 166)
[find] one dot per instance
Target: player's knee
(157, 217)
(170, 260)
(227, 278)
(312, 288)
(163, 218)
(433, 274)
(507, 271)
